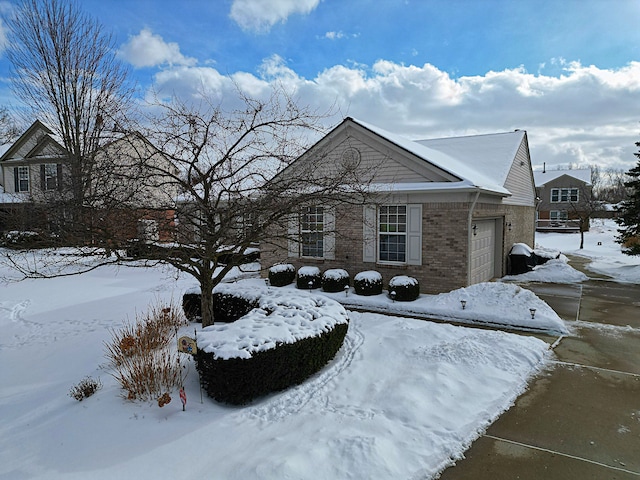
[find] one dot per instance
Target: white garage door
(483, 248)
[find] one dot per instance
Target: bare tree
(65, 71)
(8, 129)
(237, 180)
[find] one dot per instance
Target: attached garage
(483, 251)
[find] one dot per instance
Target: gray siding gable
(520, 179)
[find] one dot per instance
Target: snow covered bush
(335, 280)
(289, 337)
(368, 283)
(230, 304)
(143, 355)
(191, 305)
(404, 288)
(23, 239)
(308, 278)
(87, 387)
(282, 274)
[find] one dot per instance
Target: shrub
(229, 307)
(143, 355)
(87, 387)
(334, 280)
(308, 278)
(284, 341)
(406, 288)
(23, 239)
(191, 305)
(238, 381)
(282, 274)
(368, 283)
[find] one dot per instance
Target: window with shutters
(392, 233)
(312, 232)
(22, 182)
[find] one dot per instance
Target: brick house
(34, 173)
(564, 197)
(445, 211)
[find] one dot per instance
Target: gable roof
(489, 155)
(24, 147)
(481, 161)
(543, 177)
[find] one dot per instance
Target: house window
(564, 195)
(392, 233)
(22, 182)
(312, 232)
(558, 215)
(50, 178)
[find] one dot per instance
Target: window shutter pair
(414, 234)
(329, 235)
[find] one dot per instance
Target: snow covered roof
(481, 161)
(542, 177)
(492, 154)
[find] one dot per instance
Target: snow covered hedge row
(401, 287)
(285, 339)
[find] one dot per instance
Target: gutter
(469, 221)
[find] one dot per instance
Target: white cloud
(260, 15)
(334, 35)
(149, 50)
(585, 115)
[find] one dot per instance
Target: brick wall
(444, 243)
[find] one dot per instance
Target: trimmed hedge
(368, 283)
(406, 288)
(239, 381)
(228, 307)
(335, 280)
(282, 275)
(192, 307)
(308, 278)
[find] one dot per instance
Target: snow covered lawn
(600, 246)
(401, 399)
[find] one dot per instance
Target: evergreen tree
(629, 212)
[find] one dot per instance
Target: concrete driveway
(580, 419)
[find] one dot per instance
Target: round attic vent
(350, 158)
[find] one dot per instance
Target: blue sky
(566, 71)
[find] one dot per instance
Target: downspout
(469, 234)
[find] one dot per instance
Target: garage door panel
(483, 249)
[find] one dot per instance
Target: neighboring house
(564, 196)
(128, 181)
(445, 211)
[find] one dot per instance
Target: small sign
(187, 345)
(183, 398)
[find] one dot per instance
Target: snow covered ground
(599, 246)
(402, 399)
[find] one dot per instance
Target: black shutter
(59, 176)
(43, 180)
(16, 180)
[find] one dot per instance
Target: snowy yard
(402, 399)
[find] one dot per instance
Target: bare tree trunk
(206, 301)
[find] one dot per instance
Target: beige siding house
(138, 182)
(445, 211)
